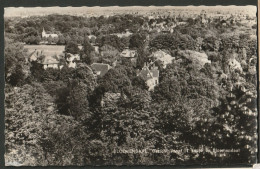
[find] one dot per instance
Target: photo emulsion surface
(130, 85)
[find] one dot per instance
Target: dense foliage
(202, 104)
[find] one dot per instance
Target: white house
(124, 34)
(151, 76)
(50, 63)
(163, 57)
(46, 35)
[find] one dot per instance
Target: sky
(31, 11)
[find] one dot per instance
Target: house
(124, 34)
(252, 65)
(96, 47)
(51, 62)
(71, 59)
(45, 35)
(100, 68)
(160, 25)
(151, 76)
(167, 30)
(204, 21)
(181, 23)
(163, 57)
(198, 59)
(233, 63)
(33, 56)
(127, 53)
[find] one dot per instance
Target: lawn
(48, 50)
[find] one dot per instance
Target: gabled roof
(159, 54)
(155, 72)
(147, 74)
(50, 60)
(34, 52)
(101, 67)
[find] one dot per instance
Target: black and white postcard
(130, 85)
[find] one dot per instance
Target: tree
(80, 89)
(116, 80)
(16, 68)
(137, 41)
(211, 44)
(173, 42)
(88, 58)
(37, 71)
(72, 47)
(50, 40)
(109, 53)
(187, 96)
(17, 77)
(87, 52)
(92, 40)
(112, 40)
(142, 57)
(61, 40)
(24, 105)
(236, 123)
(78, 99)
(139, 83)
(140, 99)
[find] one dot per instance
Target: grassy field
(48, 50)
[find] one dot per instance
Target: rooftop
(101, 68)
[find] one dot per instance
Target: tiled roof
(50, 60)
(155, 72)
(101, 67)
(147, 74)
(31, 54)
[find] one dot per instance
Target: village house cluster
(149, 72)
